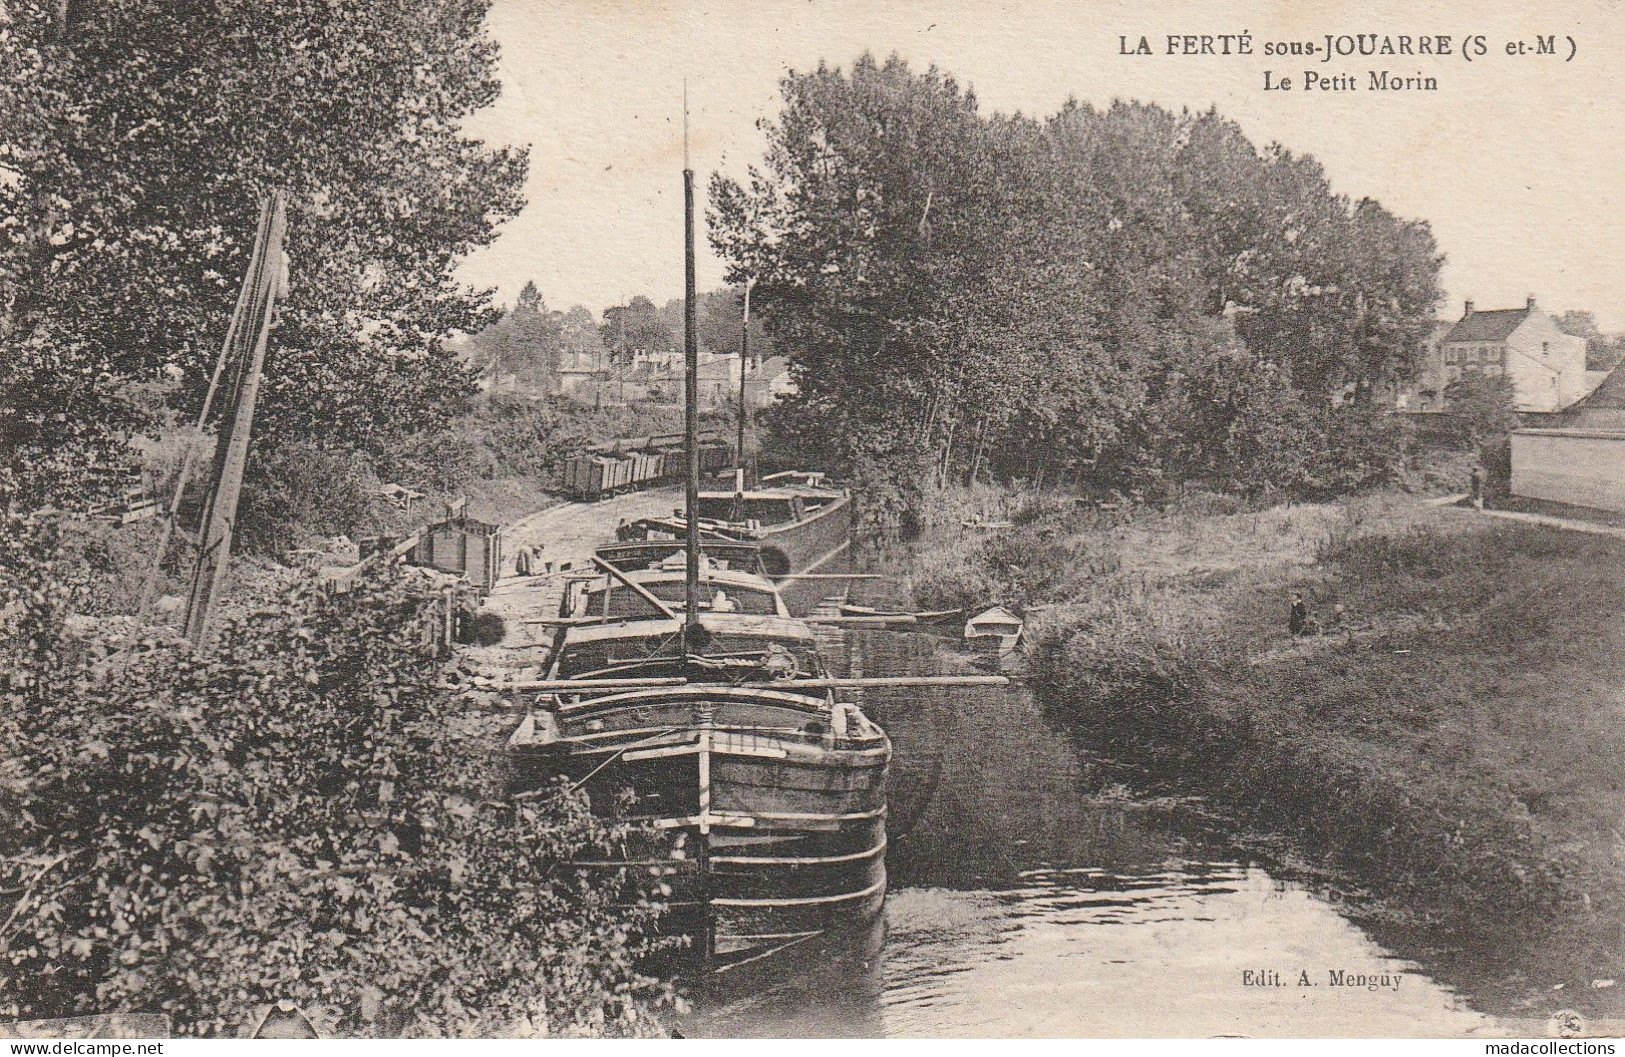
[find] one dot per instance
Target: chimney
(1469, 311)
(1531, 307)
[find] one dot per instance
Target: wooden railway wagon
(629, 463)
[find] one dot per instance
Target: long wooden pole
(558, 686)
(691, 420)
(744, 355)
(637, 589)
(149, 589)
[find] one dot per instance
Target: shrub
(299, 491)
(302, 813)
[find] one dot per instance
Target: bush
(299, 491)
(302, 813)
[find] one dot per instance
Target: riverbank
(1447, 753)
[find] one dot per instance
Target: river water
(1032, 893)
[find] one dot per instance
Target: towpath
(567, 533)
(1548, 520)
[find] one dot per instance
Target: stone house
(1547, 367)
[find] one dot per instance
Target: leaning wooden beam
(566, 685)
(637, 589)
(558, 686)
(866, 681)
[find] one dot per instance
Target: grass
(1452, 742)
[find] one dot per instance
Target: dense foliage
(139, 137)
(304, 813)
(1109, 297)
(1484, 405)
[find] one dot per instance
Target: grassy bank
(1450, 744)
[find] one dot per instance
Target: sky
(1517, 162)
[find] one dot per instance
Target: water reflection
(1081, 952)
(1032, 895)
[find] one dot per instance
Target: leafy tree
(1484, 405)
(579, 338)
(140, 136)
(1038, 299)
(869, 218)
(304, 813)
(719, 318)
(525, 343)
(1578, 323)
(636, 328)
(1603, 351)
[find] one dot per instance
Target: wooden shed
(465, 545)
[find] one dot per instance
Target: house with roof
(718, 381)
(769, 380)
(1546, 366)
(580, 370)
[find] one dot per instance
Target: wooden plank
(567, 685)
(637, 589)
(803, 901)
(785, 685)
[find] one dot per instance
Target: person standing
(1476, 482)
(1298, 621)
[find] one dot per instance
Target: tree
(139, 140)
(307, 813)
(635, 328)
(525, 343)
(1032, 298)
(1603, 351)
(1484, 405)
(579, 339)
(871, 211)
(1578, 323)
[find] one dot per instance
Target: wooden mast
(744, 355)
(691, 424)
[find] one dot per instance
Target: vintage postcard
(649, 518)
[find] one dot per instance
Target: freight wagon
(629, 463)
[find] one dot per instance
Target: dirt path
(567, 534)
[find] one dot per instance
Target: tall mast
(691, 399)
(744, 354)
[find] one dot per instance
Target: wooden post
(691, 421)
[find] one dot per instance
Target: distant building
(765, 381)
(579, 369)
(768, 381)
(1547, 367)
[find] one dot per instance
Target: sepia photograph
(804, 519)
